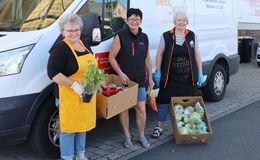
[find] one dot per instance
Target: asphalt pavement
(235, 137)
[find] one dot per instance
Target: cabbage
(186, 119)
(178, 108)
(189, 125)
(189, 119)
(202, 130)
(199, 122)
(180, 124)
(192, 127)
(188, 110)
(202, 127)
(195, 116)
(178, 116)
(183, 130)
(198, 108)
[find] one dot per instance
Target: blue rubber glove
(157, 77)
(200, 78)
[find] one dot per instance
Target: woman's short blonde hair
(72, 18)
(179, 13)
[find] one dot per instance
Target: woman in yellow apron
(67, 63)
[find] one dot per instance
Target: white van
(29, 28)
(258, 55)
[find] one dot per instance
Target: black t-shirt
(62, 60)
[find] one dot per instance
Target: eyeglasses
(72, 31)
(134, 19)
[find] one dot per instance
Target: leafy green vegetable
(93, 77)
(190, 119)
(183, 130)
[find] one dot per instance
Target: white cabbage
(188, 110)
(184, 130)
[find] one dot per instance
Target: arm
(199, 63)
(197, 54)
(55, 65)
(112, 59)
(158, 60)
(61, 79)
(159, 55)
(148, 64)
(198, 58)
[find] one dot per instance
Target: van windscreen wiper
(9, 29)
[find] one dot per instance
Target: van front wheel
(45, 131)
(216, 86)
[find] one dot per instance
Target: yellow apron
(76, 116)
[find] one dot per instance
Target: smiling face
(134, 22)
(181, 22)
(71, 32)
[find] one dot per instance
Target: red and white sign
(103, 63)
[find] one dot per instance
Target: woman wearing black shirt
(67, 63)
(130, 58)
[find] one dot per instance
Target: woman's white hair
(179, 13)
(72, 18)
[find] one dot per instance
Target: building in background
(249, 20)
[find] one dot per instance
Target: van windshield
(29, 15)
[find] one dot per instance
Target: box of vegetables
(191, 124)
(115, 97)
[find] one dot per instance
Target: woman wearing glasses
(67, 63)
(130, 59)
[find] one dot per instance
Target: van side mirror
(91, 29)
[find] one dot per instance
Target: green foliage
(93, 77)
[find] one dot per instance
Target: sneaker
(85, 158)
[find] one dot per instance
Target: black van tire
(217, 83)
(258, 64)
(39, 139)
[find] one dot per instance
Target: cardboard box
(189, 138)
(108, 107)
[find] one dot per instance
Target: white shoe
(85, 158)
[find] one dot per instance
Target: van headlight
(11, 61)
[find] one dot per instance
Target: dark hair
(134, 11)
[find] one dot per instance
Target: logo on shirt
(192, 45)
(141, 43)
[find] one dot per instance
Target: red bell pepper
(104, 87)
(112, 88)
(119, 89)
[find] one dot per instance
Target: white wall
(248, 14)
(248, 11)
